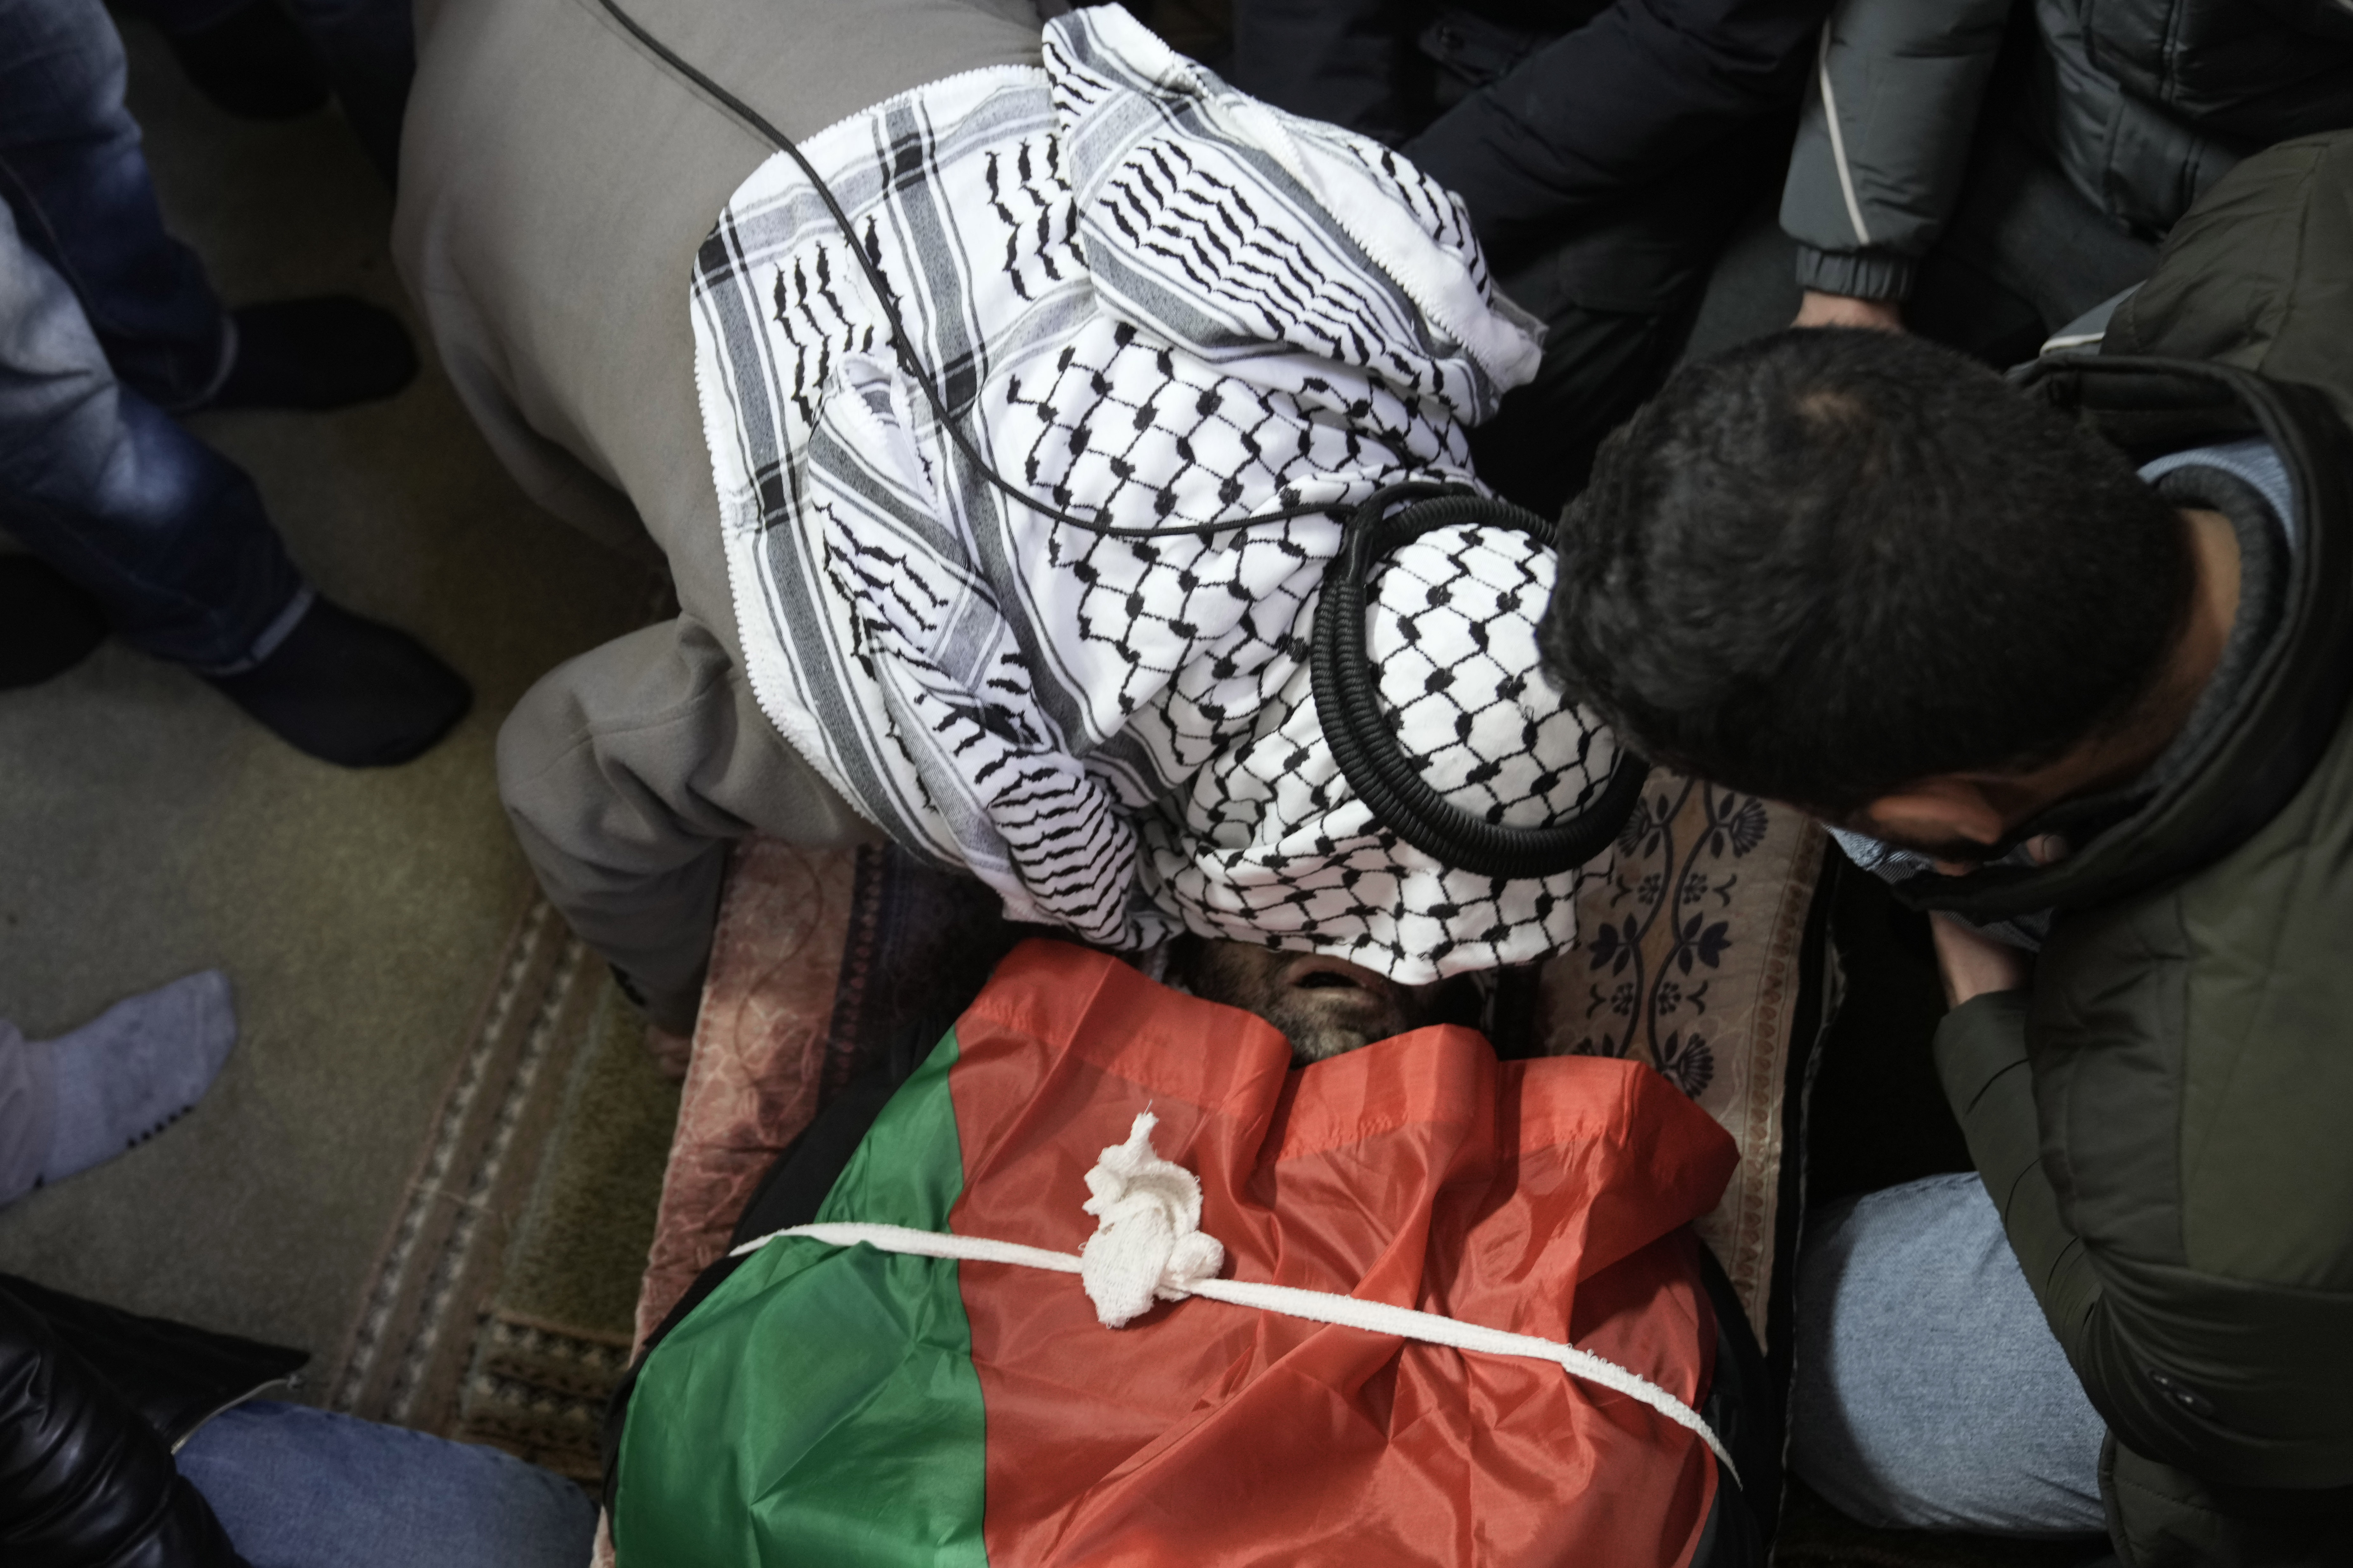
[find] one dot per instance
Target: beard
(1323, 1006)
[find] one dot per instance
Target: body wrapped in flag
(848, 1406)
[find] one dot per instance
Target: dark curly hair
(1834, 562)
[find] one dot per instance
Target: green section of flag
(821, 1406)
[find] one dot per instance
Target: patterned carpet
(499, 1310)
(1687, 960)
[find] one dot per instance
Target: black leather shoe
(327, 353)
(254, 63)
(47, 624)
(351, 691)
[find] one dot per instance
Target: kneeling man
(2072, 661)
(997, 453)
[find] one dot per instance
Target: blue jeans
(297, 1488)
(1927, 1392)
(106, 322)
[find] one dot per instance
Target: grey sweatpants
(556, 180)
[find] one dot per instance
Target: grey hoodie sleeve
(1884, 139)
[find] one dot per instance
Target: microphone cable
(900, 346)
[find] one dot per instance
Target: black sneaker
(255, 63)
(327, 353)
(47, 624)
(351, 691)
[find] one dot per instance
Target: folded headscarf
(1166, 307)
(1268, 842)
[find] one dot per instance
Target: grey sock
(132, 1070)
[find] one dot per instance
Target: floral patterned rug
(1687, 960)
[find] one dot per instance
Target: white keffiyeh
(1151, 299)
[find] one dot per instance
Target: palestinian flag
(845, 1407)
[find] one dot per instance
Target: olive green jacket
(2166, 1118)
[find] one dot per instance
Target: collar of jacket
(2149, 407)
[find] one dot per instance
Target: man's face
(1963, 821)
(1323, 1006)
(1952, 855)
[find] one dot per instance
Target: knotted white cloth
(1149, 1243)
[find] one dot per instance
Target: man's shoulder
(2193, 1055)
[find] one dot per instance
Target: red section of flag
(1542, 1197)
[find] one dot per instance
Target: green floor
(147, 829)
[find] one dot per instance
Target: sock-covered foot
(136, 1068)
(327, 353)
(253, 62)
(351, 691)
(47, 624)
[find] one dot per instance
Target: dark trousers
(105, 322)
(1617, 294)
(2025, 253)
(1616, 285)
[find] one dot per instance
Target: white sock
(135, 1069)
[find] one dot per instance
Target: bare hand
(670, 1052)
(1973, 963)
(1818, 310)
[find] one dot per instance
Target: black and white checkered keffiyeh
(1152, 300)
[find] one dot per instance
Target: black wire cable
(908, 365)
(1364, 740)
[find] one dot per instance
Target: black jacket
(92, 1403)
(1576, 103)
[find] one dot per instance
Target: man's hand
(1844, 311)
(672, 1053)
(1973, 963)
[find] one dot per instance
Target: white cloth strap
(1148, 1246)
(1316, 1305)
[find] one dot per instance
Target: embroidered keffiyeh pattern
(1153, 302)
(1267, 841)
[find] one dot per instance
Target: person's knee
(598, 769)
(648, 705)
(1928, 1391)
(294, 1484)
(546, 734)
(639, 755)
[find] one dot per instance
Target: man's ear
(1941, 810)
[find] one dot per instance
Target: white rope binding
(1148, 1245)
